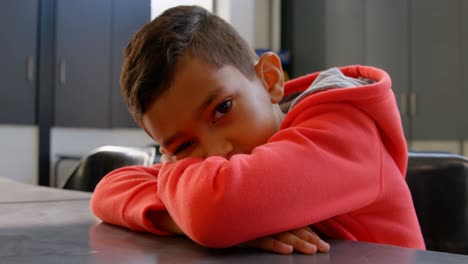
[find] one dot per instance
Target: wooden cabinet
(303, 33)
(462, 117)
(436, 69)
(345, 37)
(90, 38)
(386, 46)
(83, 52)
(421, 43)
(18, 45)
(128, 17)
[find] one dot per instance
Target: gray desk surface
(65, 231)
(11, 191)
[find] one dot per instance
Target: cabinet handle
(413, 101)
(63, 72)
(30, 68)
(404, 104)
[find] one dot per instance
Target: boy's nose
(221, 148)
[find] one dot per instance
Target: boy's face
(216, 112)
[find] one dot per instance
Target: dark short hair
(152, 54)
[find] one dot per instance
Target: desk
(53, 230)
(15, 192)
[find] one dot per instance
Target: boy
(235, 168)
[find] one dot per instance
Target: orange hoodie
(337, 163)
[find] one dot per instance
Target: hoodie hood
(375, 98)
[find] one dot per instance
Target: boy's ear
(270, 73)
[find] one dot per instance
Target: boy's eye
(222, 109)
(183, 147)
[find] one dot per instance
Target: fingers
(166, 158)
(302, 240)
(299, 240)
(306, 234)
(271, 244)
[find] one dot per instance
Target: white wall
(158, 6)
(19, 148)
(262, 25)
(267, 24)
(240, 14)
(258, 21)
(19, 153)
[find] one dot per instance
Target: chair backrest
(96, 164)
(438, 184)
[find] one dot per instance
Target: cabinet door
(303, 30)
(18, 40)
(436, 69)
(463, 116)
(387, 39)
(83, 53)
(128, 17)
(344, 38)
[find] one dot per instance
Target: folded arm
(128, 197)
(325, 164)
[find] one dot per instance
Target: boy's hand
(303, 240)
(163, 221)
(166, 158)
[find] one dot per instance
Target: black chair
(96, 164)
(438, 184)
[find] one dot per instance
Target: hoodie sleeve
(128, 197)
(326, 162)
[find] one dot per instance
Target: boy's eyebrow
(206, 102)
(209, 99)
